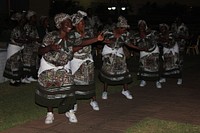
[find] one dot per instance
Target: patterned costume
(14, 65)
(149, 60)
(181, 33)
(30, 52)
(83, 67)
(55, 77)
(114, 70)
(170, 57)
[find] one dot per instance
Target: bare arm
(88, 42)
(52, 47)
(135, 47)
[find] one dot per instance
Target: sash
(144, 53)
(107, 50)
(12, 49)
(76, 63)
(173, 49)
(44, 65)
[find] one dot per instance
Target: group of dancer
(22, 56)
(165, 51)
(66, 68)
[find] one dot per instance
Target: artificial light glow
(113, 8)
(109, 8)
(123, 8)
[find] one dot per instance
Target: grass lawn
(17, 106)
(150, 125)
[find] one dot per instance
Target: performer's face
(81, 25)
(122, 30)
(66, 25)
(142, 27)
(163, 29)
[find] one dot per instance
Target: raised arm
(133, 46)
(88, 42)
(46, 49)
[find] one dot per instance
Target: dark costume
(170, 57)
(14, 65)
(149, 60)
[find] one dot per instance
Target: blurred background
(154, 11)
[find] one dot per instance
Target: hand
(55, 47)
(100, 37)
(144, 49)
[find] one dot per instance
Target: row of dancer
(57, 71)
(55, 76)
(26, 36)
(164, 55)
(66, 61)
(161, 55)
(66, 72)
(22, 53)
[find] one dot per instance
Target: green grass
(150, 125)
(17, 105)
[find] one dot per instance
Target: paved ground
(172, 102)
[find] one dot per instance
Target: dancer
(171, 61)
(114, 69)
(14, 64)
(30, 51)
(149, 60)
(54, 77)
(182, 36)
(82, 64)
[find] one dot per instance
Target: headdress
(16, 16)
(76, 18)
(143, 22)
(164, 25)
(30, 14)
(59, 18)
(122, 22)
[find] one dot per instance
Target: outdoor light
(113, 8)
(109, 8)
(123, 8)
